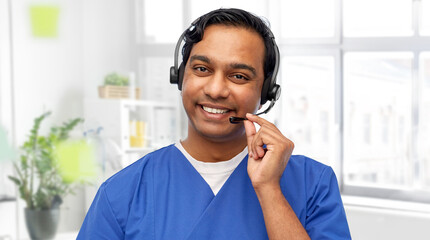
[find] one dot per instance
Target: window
(377, 119)
(424, 120)
(374, 96)
(425, 18)
(152, 26)
(257, 7)
(308, 87)
(366, 18)
(317, 21)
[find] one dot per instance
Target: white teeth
(214, 110)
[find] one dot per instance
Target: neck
(206, 149)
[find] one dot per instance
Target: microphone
(236, 120)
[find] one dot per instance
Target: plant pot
(42, 224)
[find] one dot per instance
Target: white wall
(5, 70)
(56, 74)
(48, 71)
(107, 41)
(368, 224)
(8, 220)
(375, 219)
(48, 75)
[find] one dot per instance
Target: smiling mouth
(215, 110)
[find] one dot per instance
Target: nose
(217, 86)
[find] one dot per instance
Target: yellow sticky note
(44, 20)
(76, 160)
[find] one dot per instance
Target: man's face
(223, 77)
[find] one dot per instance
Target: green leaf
(15, 180)
(67, 127)
(116, 80)
(24, 162)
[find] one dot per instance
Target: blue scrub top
(162, 196)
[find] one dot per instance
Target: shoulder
(123, 185)
(308, 175)
(137, 171)
(320, 207)
(307, 166)
(132, 184)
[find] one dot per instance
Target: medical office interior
(355, 79)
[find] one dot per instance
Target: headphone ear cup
(270, 93)
(173, 75)
(265, 91)
(181, 75)
(274, 93)
(176, 76)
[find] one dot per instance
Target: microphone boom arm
(236, 120)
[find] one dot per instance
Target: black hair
(232, 17)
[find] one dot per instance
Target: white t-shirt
(215, 174)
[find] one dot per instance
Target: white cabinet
(116, 120)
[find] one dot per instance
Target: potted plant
(118, 86)
(39, 180)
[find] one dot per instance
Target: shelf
(162, 121)
(137, 103)
(7, 198)
(62, 236)
(146, 103)
(138, 150)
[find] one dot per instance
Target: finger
(250, 133)
(264, 137)
(259, 143)
(261, 121)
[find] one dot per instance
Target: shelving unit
(61, 236)
(114, 115)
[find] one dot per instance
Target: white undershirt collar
(214, 173)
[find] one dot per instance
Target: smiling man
(224, 181)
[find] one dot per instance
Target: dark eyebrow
(201, 58)
(232, 65)
(244, 66)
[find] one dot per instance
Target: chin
(222, 136)
(218, 132)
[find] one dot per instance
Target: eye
(240, 77)
(201, 69)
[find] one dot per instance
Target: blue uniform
(162, 196)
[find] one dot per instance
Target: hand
(265, 166)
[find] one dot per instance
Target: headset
(270, 91)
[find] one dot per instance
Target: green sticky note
(76, 160)
(6, 151)
(44, 21)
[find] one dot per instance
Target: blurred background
(355, 79)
